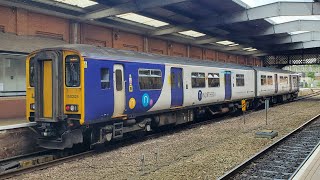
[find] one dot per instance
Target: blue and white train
(87, 94)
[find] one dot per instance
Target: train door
(176, 87)
(228, 87)
(48, 86)
(47, 89)
(290, 83)
(119, 90)
(276, 83)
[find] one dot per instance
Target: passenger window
(72, 71)
(150, 79)
(118, 80)
(281, 80)
(198, 80)
(213, 80)
(285, 80)
(270, 80)
(240, 79)
(105, 78)
(263, 80)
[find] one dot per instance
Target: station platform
(8, 122)
(311, 168)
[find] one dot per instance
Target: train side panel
(197, 89)
(140, 97)
(98, 95)
(266, 83)
(164, 100)
(283, 83)
(243, 85)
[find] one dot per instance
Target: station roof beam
(131, 6)
(302, 37)
(292, 26)
(299, 45)
(250, 14)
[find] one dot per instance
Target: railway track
(282, 159)
(46, 159)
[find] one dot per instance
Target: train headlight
(72, 107)
(32, 106)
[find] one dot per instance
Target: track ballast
(282, 159)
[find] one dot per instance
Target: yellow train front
(55, 96)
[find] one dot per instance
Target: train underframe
(67, 133)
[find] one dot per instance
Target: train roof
(268, 69)
(97, 52)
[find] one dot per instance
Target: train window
(72, 71)
(150, 79)
(198, 80)
(213, 80)
(179, 80)
(281, 79)
(118, 80)
(263, 80)
(240, 79)
(31, 72)
(105, 78)
(176, 82)
(270, 80)
(285, 80)
(173, 80)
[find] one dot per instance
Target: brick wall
(23, 22)
(157, 46)
(195, 52)
(96, 35)
(14, 107)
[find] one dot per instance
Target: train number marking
(72, 96)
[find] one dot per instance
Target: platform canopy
(244, 27)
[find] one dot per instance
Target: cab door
(48, 86)
(119, 90)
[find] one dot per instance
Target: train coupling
(67, 140)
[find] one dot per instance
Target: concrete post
(75, 33)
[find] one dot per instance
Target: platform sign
(244, 105)
(266, 104)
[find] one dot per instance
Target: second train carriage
(80, 93)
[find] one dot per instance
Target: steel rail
(20, 171)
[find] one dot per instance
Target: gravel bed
(203, 152)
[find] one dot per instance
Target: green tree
(311, 75)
